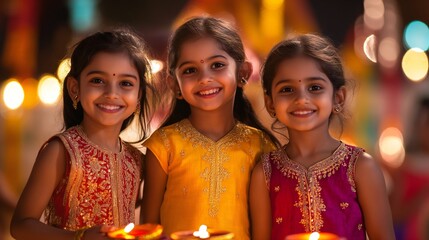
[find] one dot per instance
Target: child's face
(302, 95)
(109, 89)
(206, 75)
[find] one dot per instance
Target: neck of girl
(212, 124)
(105, 137)
(309, 147)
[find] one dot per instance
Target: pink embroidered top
(98, 187)
(321, 198)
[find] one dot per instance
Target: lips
(209, 92)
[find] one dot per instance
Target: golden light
(388, 50)
(13, 94)
(30, 91)
(314, 236)
(202, 232)
(415, 64)
(63, 69)
(156, 66)
(129, 227)
(369, 48)
(391, 145)
(49, 89)
(272, 4)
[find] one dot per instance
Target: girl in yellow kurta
(198, 164)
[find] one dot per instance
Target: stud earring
(273, 114)
(179, 95)
(243, 81)
(337, 109)
(75, 101)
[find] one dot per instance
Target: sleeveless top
(98, 187)
(321, 198)
(208, 181)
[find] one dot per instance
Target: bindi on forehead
(114, 74)
(202, 61)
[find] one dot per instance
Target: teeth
(208, 92)
(109, 107)
(302, 112)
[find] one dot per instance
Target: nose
(111, 91)
(301, 96)
(205, 77)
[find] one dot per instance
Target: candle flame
(202, 233)
(129, 227)
(314, 236)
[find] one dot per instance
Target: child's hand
(97, 233)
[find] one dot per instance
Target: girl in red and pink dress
(314, 183)
(87, 178)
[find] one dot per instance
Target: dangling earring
(337, 109)
(75, 101)
(137, 111)
(243, 81)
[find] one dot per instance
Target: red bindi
(114, 74)
(201, 61)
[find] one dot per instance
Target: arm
(47, 172)
(260, 207)
(372, 196)
(154, 188)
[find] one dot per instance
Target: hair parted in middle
(229, 40)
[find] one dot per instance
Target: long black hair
(119, 40)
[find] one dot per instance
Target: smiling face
(206, 75)
(108, 90)
(302, 95)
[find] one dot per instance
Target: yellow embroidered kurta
(208, 182)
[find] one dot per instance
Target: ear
(244, 73)
(269, 105)
(73, 87)
(174, 86)
(340, 97)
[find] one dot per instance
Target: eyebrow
(310, 79)
(104, 73)
(209, 58)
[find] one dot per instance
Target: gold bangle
(78, 235)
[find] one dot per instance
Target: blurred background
(384, 45)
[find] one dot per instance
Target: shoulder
(53, 151)
(257, 134)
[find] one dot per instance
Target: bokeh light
(388, 52)
(416, 35)
(63, 69)
(415, 64)
(49, 89)
(13, 94)
(156, 65)
(391, 145)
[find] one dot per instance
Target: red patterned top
(321, 198)
(99, 186)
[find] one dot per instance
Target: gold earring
(75, 101)
(337, 109)
(243, 81)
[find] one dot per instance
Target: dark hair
(229, 41)
(319, 48)
(119, 40)
(310, 45)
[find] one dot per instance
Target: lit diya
(144, 231)
(314, 236)
(202, 233)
